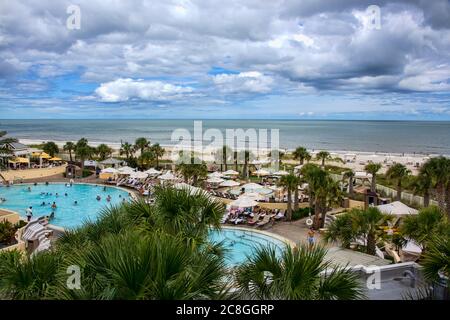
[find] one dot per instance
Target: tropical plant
(7, 232)
(301, 154)
(126, 149)
(158, 152)
(361, 226)
(436, 260)
(84, 152)
(146, 158)
(373, 168)
(349, 174)
(289, 183)
(421, 227)
(439, 168)
(323, 156)
(69, 147)
(103, 151)
(51, 148)
(141, 144)
(398, 172)
(299, 274)
(422, 184)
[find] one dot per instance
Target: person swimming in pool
(43, 203)
(108, 198)
(75, 202)
(29, 189)
(54, 205)
(52, 215)
(46, 183)
(104, 188)
(65, 194)
(98, 198)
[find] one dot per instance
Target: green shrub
(300, 213)
(86, 173)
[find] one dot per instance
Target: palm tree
(398, 172)
(297, 274)
(349, 174)
(428, 222)
(159, 152)
(423, 183)
(69, 147)
(373, 168)
(323, 156)
(141, 144)
(357, 225)
(289, 183)
(103, 151)
(439, 168)
(51, 148)
(246, 156)
(301, 154)
(146, 157)
(127, 150)
(83, 152)
(436, 260)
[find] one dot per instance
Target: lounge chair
(253, 220)
(264, 221)
(280, 215)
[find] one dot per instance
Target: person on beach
(311, 238)
(29, 213)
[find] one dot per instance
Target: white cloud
(128, 89)
(244, 82)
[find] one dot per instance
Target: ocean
(410, 137)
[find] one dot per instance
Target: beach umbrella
(262, 172)
(243, 202)
(397, 208)
(167, 176)
(126, 170)
(55, 159)
(152, 172)
(280, 173)
(109, 170)
(215, 174)
(44, 155)
(139, 175)
(230, 173)
(214, 180)
(229, 183)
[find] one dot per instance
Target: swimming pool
(242, 243)
(67, 214)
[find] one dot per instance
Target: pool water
(67, 214)
(242, 243)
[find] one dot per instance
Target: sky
(215, 59)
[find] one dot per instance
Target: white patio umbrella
(214, 180)
(167, 176)
(229, 183)
(230, 173)
(253, 195)
(243, 202)
(262, 172)
(152, 172)
(215, 174)
(109, 170)
(280, 173)
(126, 170)
(249, 187)
(139, 175)
(397, 208)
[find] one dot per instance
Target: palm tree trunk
(441, 196)
(447, 200)
(323, 215)
(350, 186)
(289, 205)
(426, 199)
(374, 183)
(296, 198)
(70, 155)
(317, 215)
(399, 191)
(323, 162)
(371, 244)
